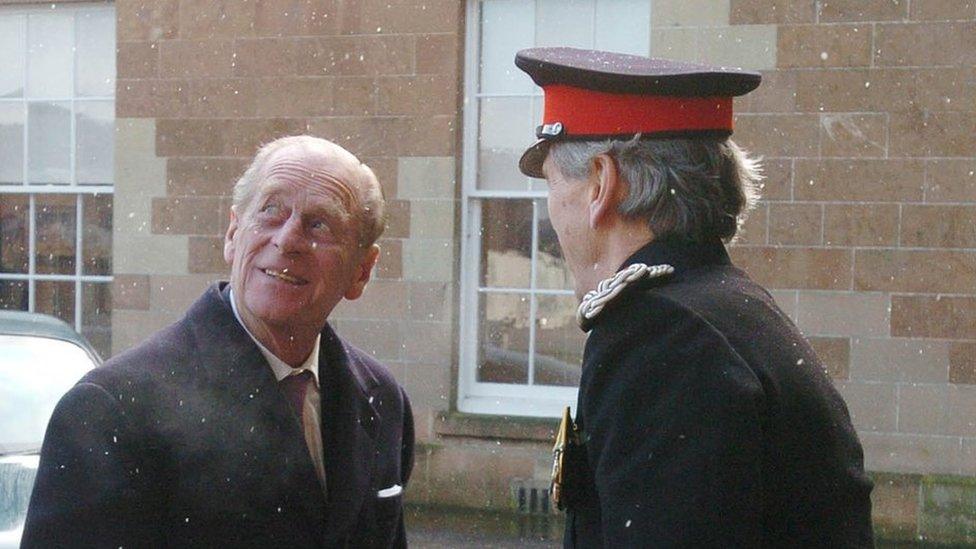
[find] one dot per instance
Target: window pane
(509, 109)
(498, 170)
(507, 26)
(49, 143)
(55, 226)
(623, 26)
(506, 129)
(95, 124)
(55, 299)
(551, 272)
(503, 356)
(565, 23)
(11, 143)
(96, 316)
(13, 41)
(14, 225)
(51, 52)
(506, 243)
(96, 53)
(13, 295)
(97, 235)
(558, 341)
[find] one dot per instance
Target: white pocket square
(390, 492)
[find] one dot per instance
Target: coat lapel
(349, 428)
(249, 389)
(349, 420)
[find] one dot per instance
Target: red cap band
(589, 112)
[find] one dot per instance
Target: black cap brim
(532, 159)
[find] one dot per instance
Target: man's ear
(229, 237)
(365, 270)
(606, 190)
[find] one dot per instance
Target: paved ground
(451, 540)
(450, 528)
(434, 528)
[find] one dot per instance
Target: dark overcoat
(187, 441)
(708, 421)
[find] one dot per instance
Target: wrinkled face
(294, 251)
(569, 215)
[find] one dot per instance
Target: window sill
(456, 424)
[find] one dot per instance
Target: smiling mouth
(285, 277)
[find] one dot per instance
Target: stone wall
(867, 230)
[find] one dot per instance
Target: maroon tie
(294, 387)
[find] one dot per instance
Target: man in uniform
(248, 422)
(704, 418)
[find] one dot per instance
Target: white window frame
(32, 277)
(476, 396)
(501, 398)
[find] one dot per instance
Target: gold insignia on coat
(566, 436)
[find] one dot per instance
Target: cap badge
(549, 131)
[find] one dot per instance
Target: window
(57, 125)
(521, 348)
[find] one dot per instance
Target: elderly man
(248, 422)
(704, 418)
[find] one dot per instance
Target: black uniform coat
(709, 422)
(187, 440)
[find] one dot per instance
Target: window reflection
(96, 316)
(13, 295)
(48, 143)
(506, 243)
(11, 141)
(551, 270)
(505, 124)
(97, 238)
(95, 125)
(55, 226)
(51, 54)
(13, 31)
(55, 298)
(14, 212)
(504, 353)
(95, 73)
(558, 341)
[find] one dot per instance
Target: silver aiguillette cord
(594, 300)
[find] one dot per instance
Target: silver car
(41, 358)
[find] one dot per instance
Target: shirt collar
(280, 368)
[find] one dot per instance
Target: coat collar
(349, 420)
(655, 261)
(682, 254)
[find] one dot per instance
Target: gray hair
(372, 215)
(693, 188)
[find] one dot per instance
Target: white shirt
(312, 407)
